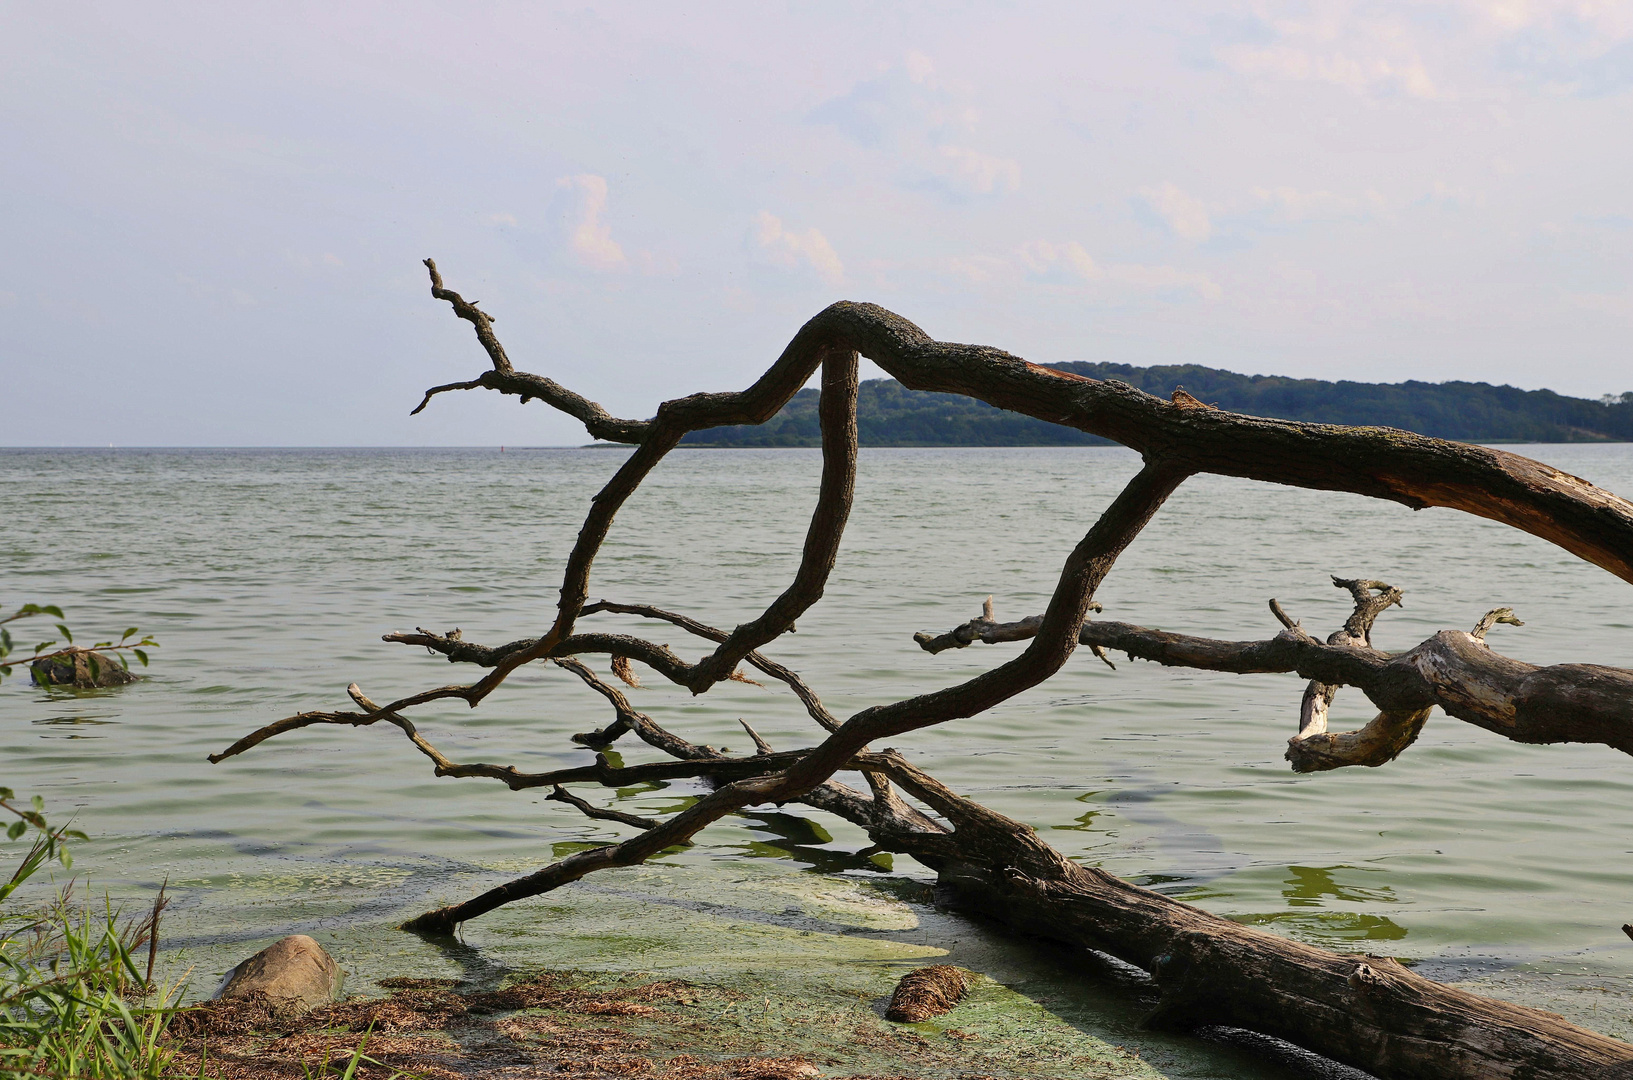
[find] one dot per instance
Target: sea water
(269, 577)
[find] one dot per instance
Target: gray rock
(75, 670)
(295, 969)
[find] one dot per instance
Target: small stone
(292, 969)
(75, 669)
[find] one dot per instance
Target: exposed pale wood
(1454, 670)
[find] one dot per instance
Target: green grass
(73, 1003)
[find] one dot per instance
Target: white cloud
(657, 265)
(1295, 206)
(1165, 278)
(589, 239)
(301, 261)
(1452, 196)
(1388, 48)
(1358, 47)
(1351, 72)
(1616, 304)
(1604, 20)
(1187, 216)
(983, 173)
(979, 269)
(919, 67)
(789, 249)
(920, 127)
(1042, 257)
(1070, 263)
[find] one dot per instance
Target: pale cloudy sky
(213, 214)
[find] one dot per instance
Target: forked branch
(1454, 670)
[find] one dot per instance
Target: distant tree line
(889, 414)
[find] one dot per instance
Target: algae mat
(789, 962)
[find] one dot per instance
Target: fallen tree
(1365, 1011)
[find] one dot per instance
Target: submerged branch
(1454, 670)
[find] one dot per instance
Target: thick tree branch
(837, 414)
(1379, 462)
(1457, 671)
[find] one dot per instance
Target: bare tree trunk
(1365, 1011)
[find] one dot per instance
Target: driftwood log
(1364, 1011)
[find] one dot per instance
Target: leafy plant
(49, 843)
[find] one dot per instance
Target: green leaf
(74, 834)
(140, 655)
(64, 631)
(44, 645)
(7, 793)
(15, 830)
(96, 668)
(127, 633)
(66, 857)
(38, 803)
(52, 609)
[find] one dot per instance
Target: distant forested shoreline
(889, 414)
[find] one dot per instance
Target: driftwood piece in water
(1455, 670)
(925, 993)
(1367, 1012)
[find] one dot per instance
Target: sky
(212, 216)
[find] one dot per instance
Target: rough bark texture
(1456, 671)
(1364, 1011)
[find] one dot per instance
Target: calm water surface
(269, 576)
